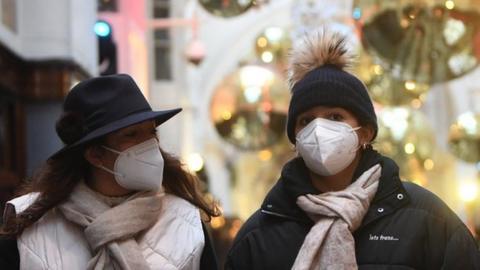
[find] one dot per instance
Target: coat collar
(295, 181)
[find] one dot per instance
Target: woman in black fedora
(111, 198)
(340, 204)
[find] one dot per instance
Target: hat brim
(159, 116)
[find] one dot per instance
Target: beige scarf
(330, 243)
(110, 231)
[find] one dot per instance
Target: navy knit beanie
(317, 77)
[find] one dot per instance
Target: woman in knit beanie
(340, 204)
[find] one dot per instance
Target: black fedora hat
(101, 105)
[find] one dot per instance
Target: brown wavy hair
(56, 180)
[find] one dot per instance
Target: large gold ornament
(405, 135)
(227, 8)
(464, 137)
(249, 107)
(384, 88)
(418, 43)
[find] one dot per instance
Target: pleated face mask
(139, 167)
(326, 146)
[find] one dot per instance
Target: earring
(364, 145)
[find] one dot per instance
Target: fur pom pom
(317, 49)
(70, 127)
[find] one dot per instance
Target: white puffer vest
(176, 241)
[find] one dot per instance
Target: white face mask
(326, 146)
(139, 167)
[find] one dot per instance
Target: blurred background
(224, 62)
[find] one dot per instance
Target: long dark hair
(57, 178)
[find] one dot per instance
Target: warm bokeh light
(410, 85)
(236, 225)
(468, 122)
(428, 164)
(418, 182)
(274, 33)
(404, 23)
(195, 162)
(449, 4)
(255, 76)
(217, 222)
(262, 42)
(265, 155)
(409, 148)
(468, 191)
(226, 115)
(377, 69)
(267, 57)
(416, 103)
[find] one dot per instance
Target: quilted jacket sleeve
(30, 260)
(461, 251)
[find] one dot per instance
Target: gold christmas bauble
(249, 107)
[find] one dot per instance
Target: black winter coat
(406, 226)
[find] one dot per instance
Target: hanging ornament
(249, 107)
(227, 8)
(464, 142)
(405, 135)
(272, 46)
(195, 52)
(418, 42)
(464, 137)
(384, 88)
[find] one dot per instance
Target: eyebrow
(303, 115)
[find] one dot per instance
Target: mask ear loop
(362, 146)
(107, 169)
(111, 150)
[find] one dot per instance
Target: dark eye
(303, 121)
(130, 134)
(335, 117)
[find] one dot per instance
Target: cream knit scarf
(330, 243)
(111, 232)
